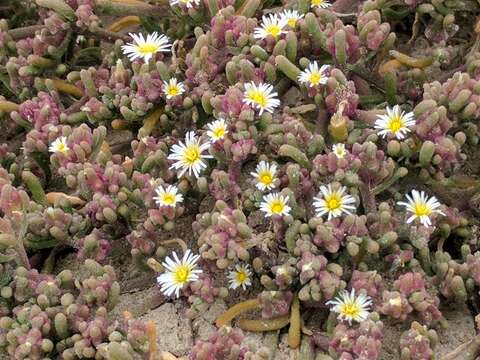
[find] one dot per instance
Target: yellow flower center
(317, 2)
(62, 147)
(273, 30)
(315, 78)
(169, 199)
(292, 22)
(421, 209)
(219, 132)
(395, 124)
(340, 152)
(192, 155)
(172, 90)
(277, 206)
(241, 276)
(181, 274)
(266, 178)
(333, 202)
(147, 48)
(258, 97)
(351, 310)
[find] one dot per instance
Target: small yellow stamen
(219, 132)
(315, 78)
(169, 199)
(173, 90)
(241, 277)
(192, 155)
(422, 209)
(317, 2)
(181, 274)
(351, 310)
(147, 48)
(266, 178)
(292, 22)
(259, 98)
(395, 124)
(277, 207)
(273, 30)
(333, 203)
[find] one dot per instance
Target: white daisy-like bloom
(339, 150)
(188, 3)
(333, 202)
(350, 307)
(172, 88)
(421, 207)
(275, 204)
(167, 196)
(261, 97)
(265, 175)
(272, 24)
(217, 130)
(178, 273)
(59, 145)
(240, 277)
(395, 122)
(189, 155)
(320, 3)
(146, 47)
(290, 17)
(313, 75)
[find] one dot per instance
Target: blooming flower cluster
(309, 152)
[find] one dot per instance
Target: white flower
(265, 175)
(339, 150)
(172, 88)
(59, 145)
(146, 47)
(261, 97)
(421, 207)
(240, 277)
(320, 3)
(395, 122)
(217, 130)
(167, 197)
(333, 202)
(178, 273)
(313, 75)
(189, 155)
(188, 3)
(348, 307)
(271, 25)
(275, 204)
(290, 17)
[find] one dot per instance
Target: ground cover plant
(311, 167)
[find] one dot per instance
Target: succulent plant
(309, 155)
